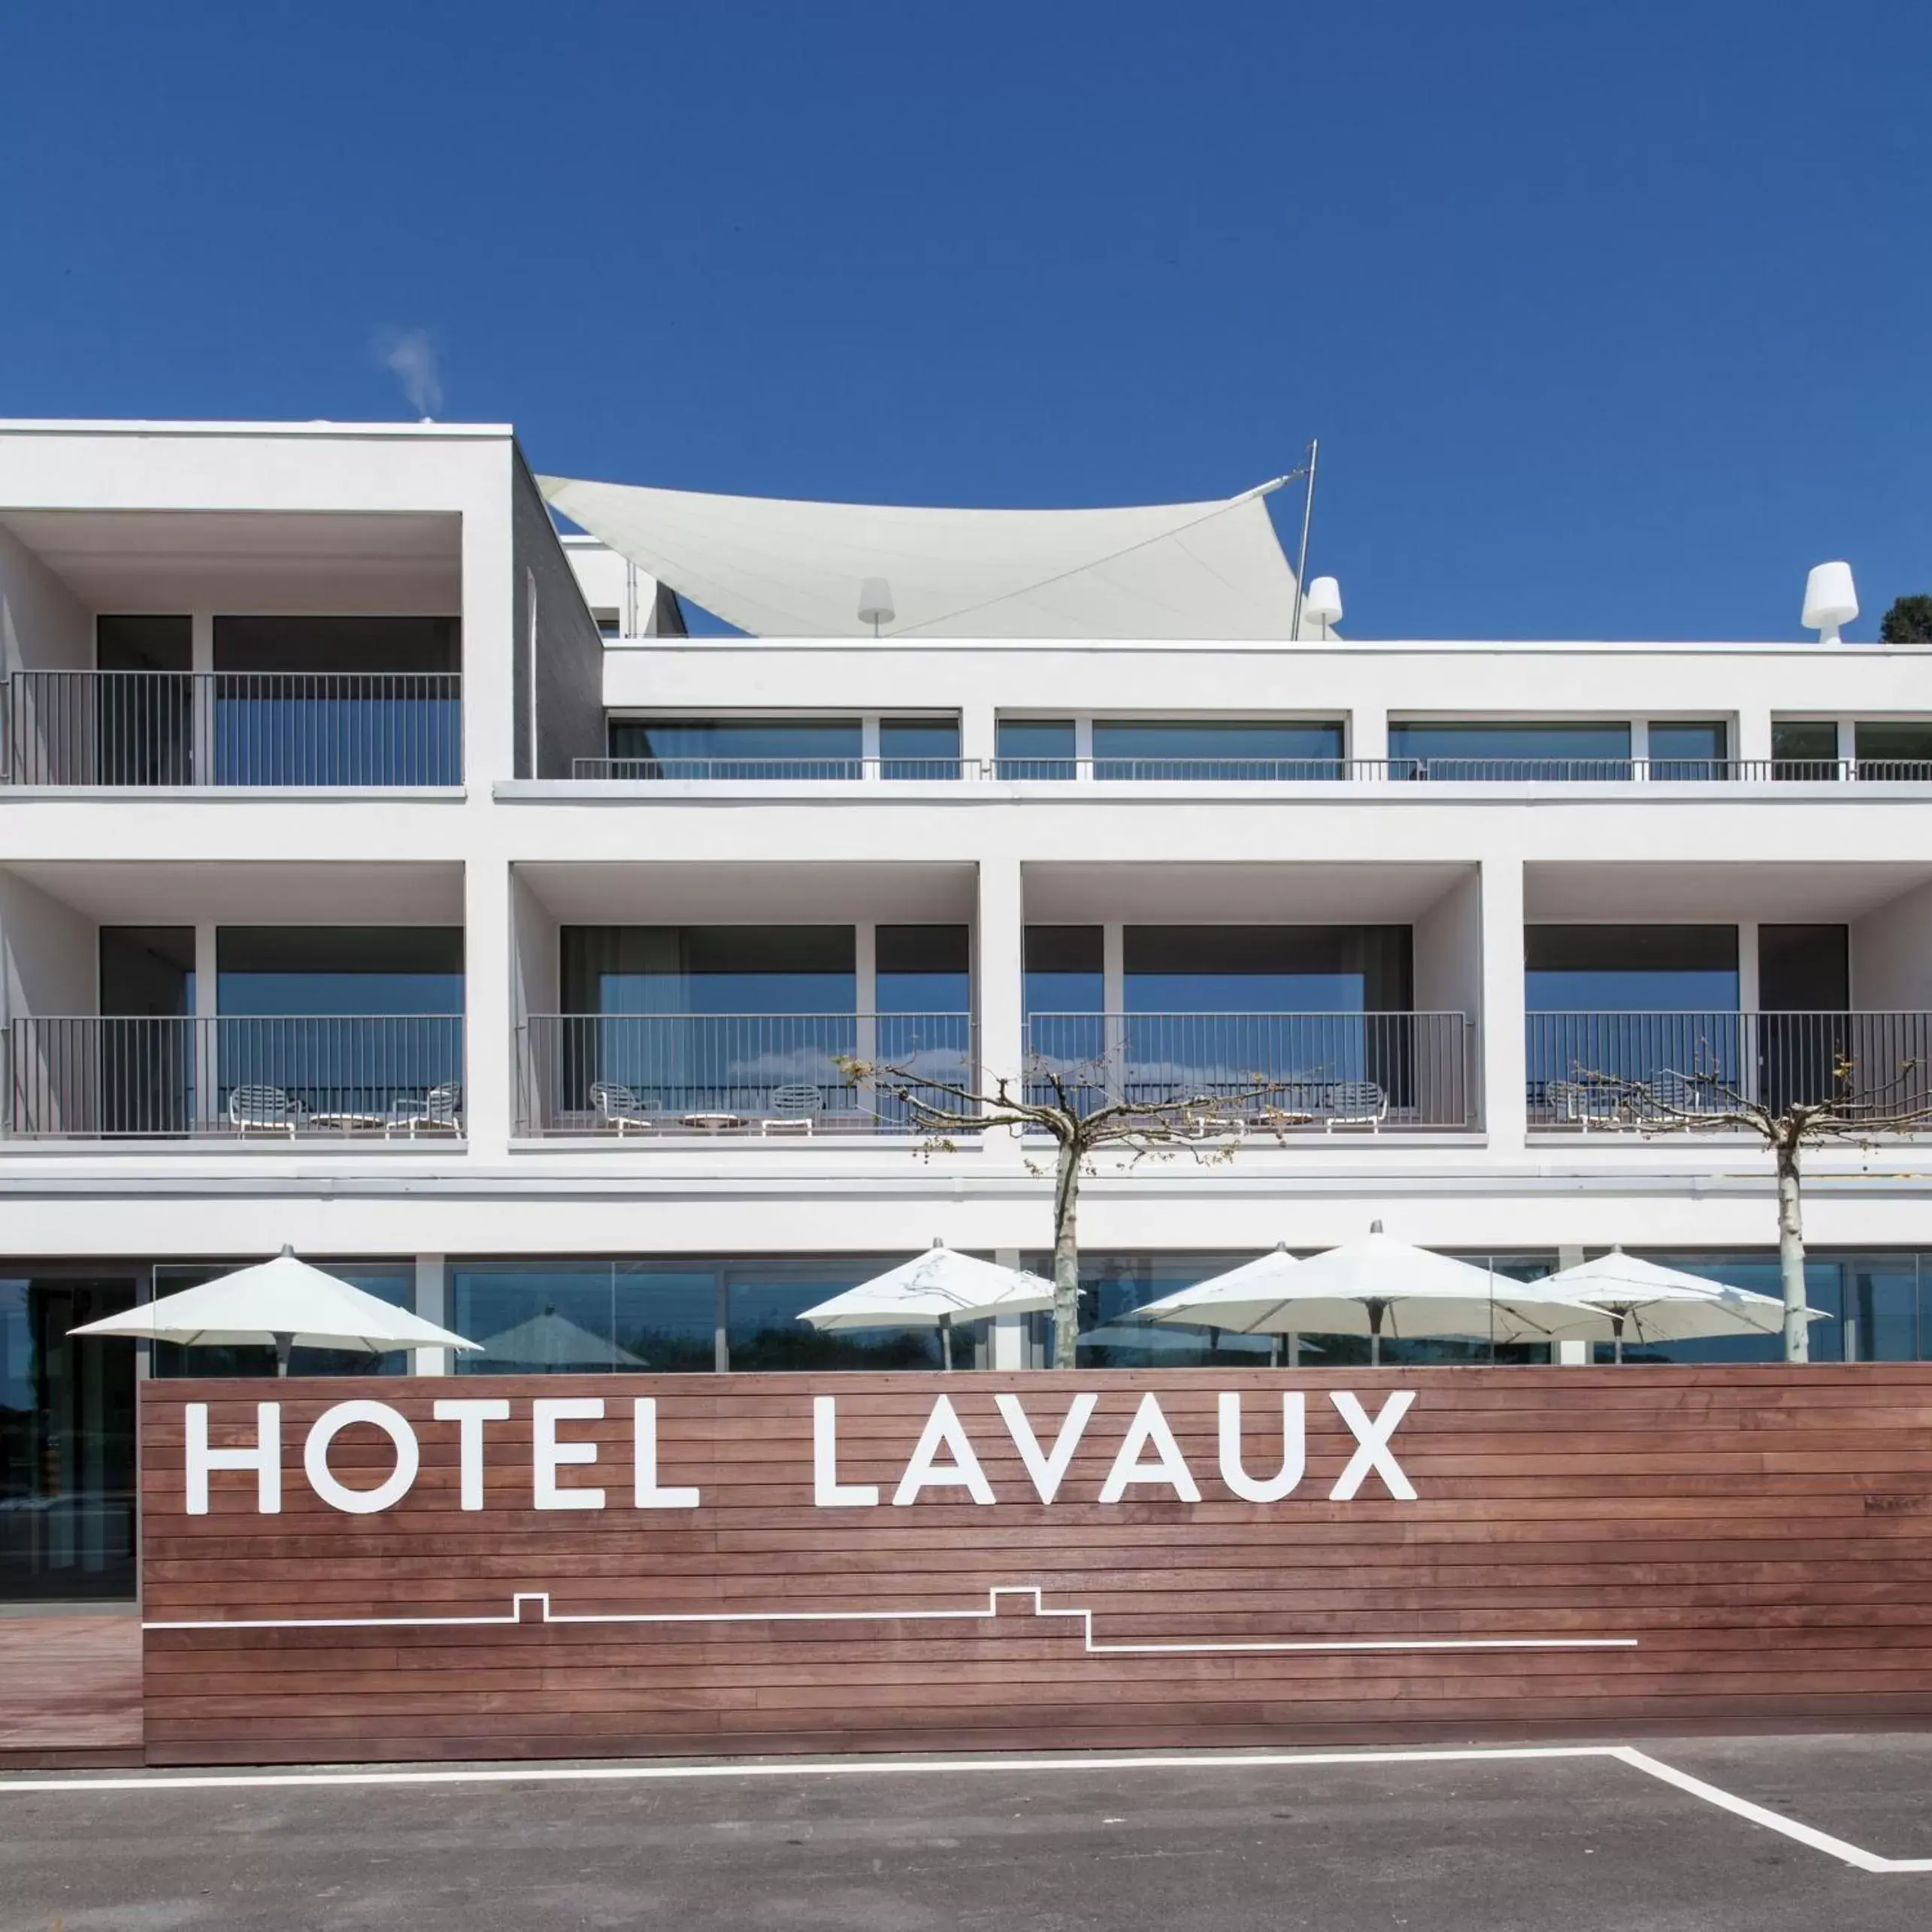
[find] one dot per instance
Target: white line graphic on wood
(1094, 1647)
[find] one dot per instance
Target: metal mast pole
(1307, 517)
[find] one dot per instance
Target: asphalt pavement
(1482, 1843)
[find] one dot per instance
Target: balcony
(265, 1080)
(762, 1076)
(1325, 1071)
(1580, 1066)
(213, 729)
(771, 770)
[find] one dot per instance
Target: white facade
(203, 521)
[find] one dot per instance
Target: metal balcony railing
(264, 1078)
(782, 771)
(1322, 1070)
(1260, 770)
(637, 1075)
(214, 728)
(1581, 1066)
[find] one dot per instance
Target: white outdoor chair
(1353, 1104)
(263, 1109)
(439, 1111)
(794, 1109)
(1684, 1093)
(615, 1105)
(1587, 1103)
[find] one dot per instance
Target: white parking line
(1846, 1853)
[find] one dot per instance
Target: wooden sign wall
(1510, 1551)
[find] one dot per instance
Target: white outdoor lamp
(1831, 599)
(1323, 604)
(875, 603)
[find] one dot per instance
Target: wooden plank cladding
(1256, 1557)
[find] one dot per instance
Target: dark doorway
(1804, 1026)
(147, 1065)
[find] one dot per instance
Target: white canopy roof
(780, 568)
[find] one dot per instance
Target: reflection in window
(1631, 968)
(737, 747)
(1894, 751)
(919, 748)
(1267, 969)
(1509, 749)
(1216, 748)
(1804, 748)
(1035, 748)
(1679, 751)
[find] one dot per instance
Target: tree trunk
(1791, 1257)
(1066, 1254)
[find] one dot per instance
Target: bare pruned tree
(1080, 1110)
(1702, 1100)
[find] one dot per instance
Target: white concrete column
(999, 984)
(865, 988)
(201, 708)
(1008, 1331)
(432, 1304)
(1114, 1001)
(868, 745)
(1368, 733)
(1505, 1109)
(1083, 747)
(1640, 748)
(208, 1098)
(489, 1021)
(1847, 745)
(979, 737)
(1751, 733)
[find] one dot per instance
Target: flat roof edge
(123, 426)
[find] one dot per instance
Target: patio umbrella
(1372, 1287)
(281, 1304)
(1650, 1302)
(934, 1290)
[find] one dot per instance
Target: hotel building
(384, 874)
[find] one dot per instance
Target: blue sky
(1611, 319)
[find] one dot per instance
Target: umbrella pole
(1617, 1338)
(946, 1341)
(284, 1344)
(1374, 1310)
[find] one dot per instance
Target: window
(1804, 748)
(709, 969)
(1267, 969)
(1214, 748)
(358, 646)
(748, 748)
(918, 747)
(144, 643)
(922, 969)
(1679, 750)
(1615, 969)
(339, 969)
(1534, 748)
(1895, 751)
(1035, 748)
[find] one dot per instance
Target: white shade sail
(278, 1303)
(1632, 1300)
(940, 1285)
(776, 567)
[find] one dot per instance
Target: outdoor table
(713, 1123)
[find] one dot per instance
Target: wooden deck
(70, 1689)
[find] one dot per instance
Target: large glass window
(709, 969)
(325, 969)
(1679, 750)
(1035, 748)
(67, 1455)
(1804, 748)
(1126, 748)
(918, 747)
(1267, 969)
(1616, 969)
(1509, 749)
(1895, 751)
(922, 969)
(674, 1315)
(739, 747)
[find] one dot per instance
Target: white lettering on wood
(548, 1455)
(828, 1492)
(392, 1489)
(646, 1492)
(1150, 1429)
(1373, 1453)
(924, 1471)
(470, 1413)
(264, 1458)
(1294, 1450)
(1047, 1471)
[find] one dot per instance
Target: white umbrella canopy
(934, 1290)
(1376, 1286)
(283, 1304)
(1630, 1299)
(551, 1340)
